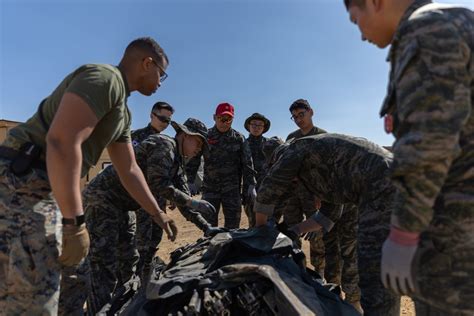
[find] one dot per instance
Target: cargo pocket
(33, 264)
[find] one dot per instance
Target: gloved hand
(310, 236)
(167, 224)
(193, 188)
(252, 193)
(290, 233)
(204, 207)
(75, 244)
(211, 231)
(398, 252)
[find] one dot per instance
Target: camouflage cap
(260, 117)
(192, 126)
(270, 145)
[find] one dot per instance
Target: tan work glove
(167, 224)
(75, 244)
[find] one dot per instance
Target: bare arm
(72, 125)
(133, 180)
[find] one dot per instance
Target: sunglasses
(162, 118)
(163, 75)
(257, 125)
(224, 119)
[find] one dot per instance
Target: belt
(10, 154)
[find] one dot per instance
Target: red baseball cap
(225, 109)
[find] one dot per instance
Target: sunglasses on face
(298, 116)
(162, 118)
(163, 74)
(257, 125)
(224, 119)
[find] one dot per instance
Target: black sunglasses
(162, 118)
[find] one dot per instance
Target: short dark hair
(358, 3)
(162, 105)
(300, 104)
(149, 45)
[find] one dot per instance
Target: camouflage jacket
(430, 99)
(304, 196)
(227, 162)
(162, 166)
(141, 134)
(298, 134)
(192, 167)
(258, 158)
(338, 168)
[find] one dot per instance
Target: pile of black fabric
(242, 272)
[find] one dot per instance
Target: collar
(255, 138)
(409, 11)
(152, 129)
(220, 133)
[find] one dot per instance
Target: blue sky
(259, 55)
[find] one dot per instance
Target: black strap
(11, 154)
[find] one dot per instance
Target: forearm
(64, 172)
(195, 218)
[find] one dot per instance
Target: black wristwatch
(78, 220)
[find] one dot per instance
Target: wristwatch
(78, 220)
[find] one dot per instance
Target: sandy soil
(189, 233)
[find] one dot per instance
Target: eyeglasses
(225, 119)
(162, 118)
(298, 116)
(257, 125)
(163, 75)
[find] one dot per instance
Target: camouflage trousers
(374, 226)
(75, 285)
(341, 254)
(112, 232)
(248, 208)
(148, 238)
(444, 263)
(293, 213)
(30, 237)
(231, 206)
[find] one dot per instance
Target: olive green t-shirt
(298, 134)
(105, 89)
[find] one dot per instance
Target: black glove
(211, 231)
(310, 236)
(205, 208)
(283, 228)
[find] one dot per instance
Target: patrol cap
(260, 117)
(193, 127)
(225, 109)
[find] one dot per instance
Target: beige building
(103, 162)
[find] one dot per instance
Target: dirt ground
(188, 233)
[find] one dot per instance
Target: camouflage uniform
(258, 158)
(341, 253)
(106, 201)
(194, 169)
(227, 161)
(301, 203)
(149, 234)
(322, 163)
(430, 98)
(31, 267)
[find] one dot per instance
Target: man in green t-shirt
(49, 154)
